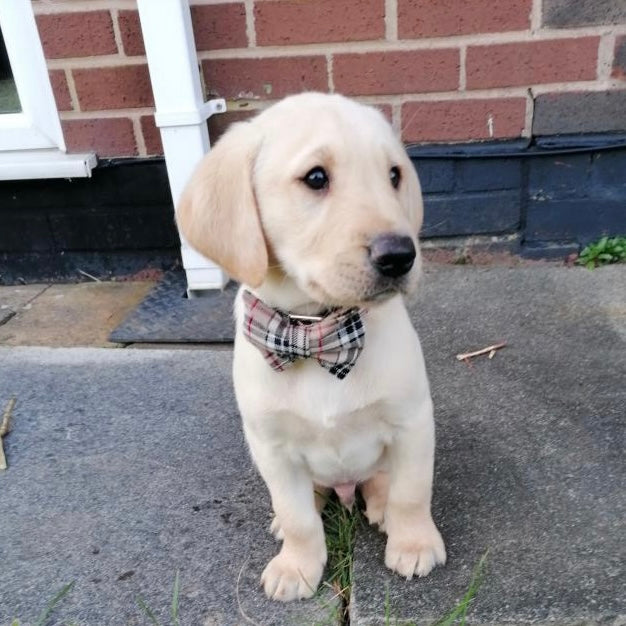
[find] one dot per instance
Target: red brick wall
(441, 70)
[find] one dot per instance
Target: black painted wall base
(116, 223)
(542, 199)
(557, 194)
(73, 266)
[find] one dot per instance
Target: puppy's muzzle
(392, 255)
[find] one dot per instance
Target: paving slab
(126, 466)
(530, 451)
(73, 315)
(13, 299)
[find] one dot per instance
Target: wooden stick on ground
(4, 429)
(488, 350)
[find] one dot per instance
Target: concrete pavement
(126, 466)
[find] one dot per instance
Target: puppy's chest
(346, 447)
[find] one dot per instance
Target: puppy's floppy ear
(414, 196)
(218, 214)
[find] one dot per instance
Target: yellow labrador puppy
(315, 208)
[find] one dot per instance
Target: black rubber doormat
(166, 315)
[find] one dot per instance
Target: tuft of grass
(174, 607)
(175, 599)
(147, 610)
(460, 610)
(334, 615)
(603, 252)
(45, 614)
(340, 526)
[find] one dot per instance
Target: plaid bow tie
(336, 340)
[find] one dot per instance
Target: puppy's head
(316, 187)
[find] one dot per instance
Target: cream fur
(302, 250)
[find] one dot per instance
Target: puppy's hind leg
(375, 491)
(321, 495)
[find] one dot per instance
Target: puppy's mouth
(372, 293)
(351, 284)
(384, 292)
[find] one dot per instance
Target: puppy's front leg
(297, 569)
(414, 545)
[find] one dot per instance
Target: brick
(440, 18)
(385, 109)
(108, 137)
(463, 120)
(130, 29)
(488, 174)
(60, 90)
(120, 87)
(264, 78)
(580, 112)
(566, 13)
(619, 59)
(219, 124)
(141, 183)
(82, 34)
(381, 73)
(287, 22)
(24, 195)
(609, 174)
(24, 231)
(531, 63)
(113, 229)
(215, 27)
(563, 176)
(575, 219)
(436, 175)
(471, 214)
(151, 135)
(219, 26)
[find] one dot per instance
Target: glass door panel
(9, 99)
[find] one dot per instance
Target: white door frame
(181, 113)
(31, 141)
(37, 125)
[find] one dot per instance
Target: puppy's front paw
(289, 576)
(415, 549)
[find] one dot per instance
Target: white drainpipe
(181, 113)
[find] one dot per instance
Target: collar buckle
(305, 318)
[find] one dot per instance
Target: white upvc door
(181, 113)
(31, 140)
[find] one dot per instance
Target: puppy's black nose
(392, 255)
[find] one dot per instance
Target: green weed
(606, 250)
(174, 607)
(45, 614)
(459, 612)
(340, 527)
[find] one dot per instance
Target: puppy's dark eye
(316, 179)
(394, 176)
